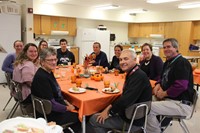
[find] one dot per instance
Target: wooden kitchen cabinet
(196, 30)
(133, 30)
(75, 51)
(182, 31)
(158, 28)
(45, 25)
(145, 29)
(161, 54)
(168, 33)
(59, 23)
(37, 24)
(71, 27)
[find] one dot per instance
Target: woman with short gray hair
(45, 86)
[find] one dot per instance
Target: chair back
(141, 111)
(16, 88)
(8, 78)
(195, 98)
(137, 111)
(42, 106)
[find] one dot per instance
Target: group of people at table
(32, 66)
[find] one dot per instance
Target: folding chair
(181, 119)
(8, 80)
(134, 112)
(26, 109)
(44, 107)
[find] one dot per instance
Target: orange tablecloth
(91, 101)
(196, 76)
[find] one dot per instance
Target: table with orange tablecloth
(196, 76)
(91, 101)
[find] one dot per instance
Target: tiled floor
(192, 124)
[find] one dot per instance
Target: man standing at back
(175, 88)
(63, 54)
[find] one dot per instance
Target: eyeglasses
(51, 60)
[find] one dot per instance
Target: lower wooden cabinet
(75, 51)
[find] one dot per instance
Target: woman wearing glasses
(45, 86)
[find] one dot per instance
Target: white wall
(120, 29)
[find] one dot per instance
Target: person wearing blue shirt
(7, 65)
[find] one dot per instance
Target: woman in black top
(152, 65)
(115, 60)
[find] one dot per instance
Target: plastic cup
(78, 82)
(73, 79)
(106, 84)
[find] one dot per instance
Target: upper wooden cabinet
(158, 28)
(145, 29)
(182, 31)
(168, 33)
(196, 30)
(59, 23)
(45, 24)
(37, 24)
(133, 30)
(72, 26)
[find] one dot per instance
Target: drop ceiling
(130, 4)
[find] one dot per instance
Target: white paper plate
(11, 124)
(108, 90)
(80, 90)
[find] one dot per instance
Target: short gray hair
(132, 52)
(173, 41)
(47, 52)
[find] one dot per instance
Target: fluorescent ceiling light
(107, 7)
(134, 11)
(189, 5)
(160, 1)
(52, 1)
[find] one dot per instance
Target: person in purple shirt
(10, 58)
(174, 90)
(45, 86)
